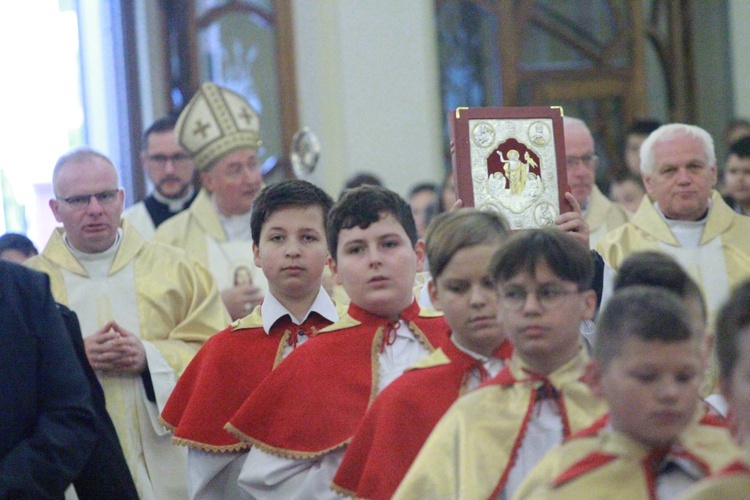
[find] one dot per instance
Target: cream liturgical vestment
(161, 295)
(199, 230)
(718, 260)
(602, 216)
(139, 217)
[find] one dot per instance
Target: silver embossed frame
(512, 161)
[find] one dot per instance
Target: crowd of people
(226, 339)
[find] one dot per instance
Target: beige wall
(368, 82)
(739, 41)
(368, 86)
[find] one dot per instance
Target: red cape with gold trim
(401, 419)
(314, 401)
(220, 378)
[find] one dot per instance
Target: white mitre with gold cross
(215, 122)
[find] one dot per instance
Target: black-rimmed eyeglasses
(82, 201)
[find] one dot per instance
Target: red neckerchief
(306, 329)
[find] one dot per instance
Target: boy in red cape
(302, 417)
(459, 245)
(288, 225)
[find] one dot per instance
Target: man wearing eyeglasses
(144, 308)
(222, 133)
(601, 214)
(172, 171)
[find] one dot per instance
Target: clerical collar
(111, 251)
(702, 220)
(175, 204)
(687, 232)
(236, 227)
(97, 265)
(271, 310)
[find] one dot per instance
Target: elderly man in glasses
(145, 309)
(221, 131)
(172, 171)
(601, 214)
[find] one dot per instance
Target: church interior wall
(368, 82)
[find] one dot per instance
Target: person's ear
(432, 289)
(144, 162)
(54, 205)
(647, 184)
(334, 269)
(589, 298)
(256, 255)
(714, 176)
(419, 249)
(207, 180)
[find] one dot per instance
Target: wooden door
(586, 56)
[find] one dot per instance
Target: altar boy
(490, 438)
(648, 365)
(288, 229)
(301, 418)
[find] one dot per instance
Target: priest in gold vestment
(599, 212)
(683, 217)
(221, 132)
(686, 219)
(144, 308)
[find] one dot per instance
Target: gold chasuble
(721, 261)
(603, 216)
(473, 448)
(160, 295)
(199, 231)
(137, 215)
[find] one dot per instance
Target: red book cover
(512, 161)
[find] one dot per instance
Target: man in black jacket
(47, 423)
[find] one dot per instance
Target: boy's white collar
(271, 310)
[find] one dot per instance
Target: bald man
(144, 309)
(601, 214)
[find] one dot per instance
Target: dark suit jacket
(106, 474)
(47, 422)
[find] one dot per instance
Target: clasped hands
(114, 349)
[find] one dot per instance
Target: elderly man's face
(579, 150)
(682, 178)
(90, 227)
(234, 181)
